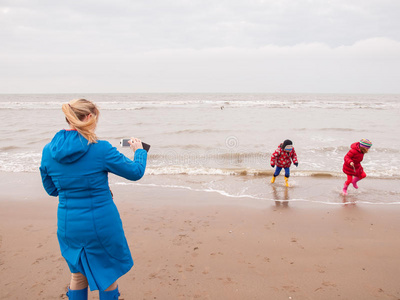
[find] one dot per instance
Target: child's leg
(349, 180)
(287, 172)
(354, 181)
(346, 184)
(277, 171)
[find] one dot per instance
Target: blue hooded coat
(90, 232)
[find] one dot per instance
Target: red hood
(356, 146)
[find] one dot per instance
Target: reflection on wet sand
(348, 202)
(281, 199)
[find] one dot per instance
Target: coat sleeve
(294, 157)
(349, 157)
(118, 164)
(48, 183)
(274, 157)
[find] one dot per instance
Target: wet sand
(198, 245)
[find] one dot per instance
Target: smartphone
(124, 143)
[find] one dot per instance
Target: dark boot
(109, 295)
(77, 294)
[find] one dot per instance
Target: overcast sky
(271, 46)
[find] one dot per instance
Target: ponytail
(75, 113)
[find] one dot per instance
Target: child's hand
(273, 166)
(296, 164)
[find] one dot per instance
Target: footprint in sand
(294, 240)
(291, 288)
(180, 239)
(28, 228)
(154, 275)
(320, 269)
(227, 280)
(190, 268)
(327, 283)
(180, 268)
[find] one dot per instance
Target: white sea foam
(257, 198)
(20, 162)
(30, 162)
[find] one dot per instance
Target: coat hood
(68, 146)
(356, 146)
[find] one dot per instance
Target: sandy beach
(199, 245)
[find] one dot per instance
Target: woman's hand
(135, 144)
(352, 164)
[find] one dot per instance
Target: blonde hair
(75, 113)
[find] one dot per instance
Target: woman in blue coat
(75, 167)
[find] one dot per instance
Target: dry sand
(197, 245)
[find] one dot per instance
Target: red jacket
(282, 158)
(356, 156)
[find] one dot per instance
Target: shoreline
(197, 245)
(303, 191)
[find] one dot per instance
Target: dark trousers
(279, 169)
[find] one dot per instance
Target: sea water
(222, 143)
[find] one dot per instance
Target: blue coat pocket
(110, 232)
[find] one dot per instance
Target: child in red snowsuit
(352, 163)
(282, 158)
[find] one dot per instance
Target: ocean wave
(9, 148)
(194, 131)
(228, 164)
(285, 103)
(213, 153)
(188, 170)
(30, 163)
(20, 162)
(327, 149)
(332, 129)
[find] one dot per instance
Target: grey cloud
(200, 46)
(145, 25)
(370, 66)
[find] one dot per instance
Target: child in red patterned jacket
(282, 158)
